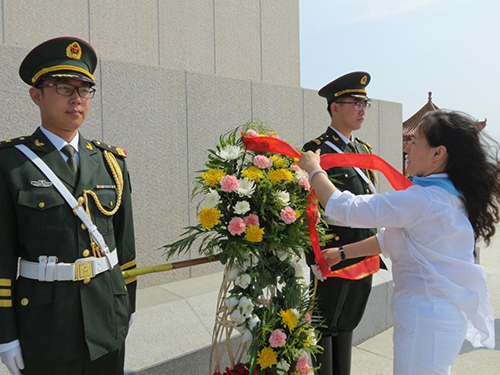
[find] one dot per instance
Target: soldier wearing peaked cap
(341, 301)
(67, 220)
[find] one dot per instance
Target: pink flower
(288, 215)
(306, 370)
(252, 133)
(305, 182)
(296, 168)
(236, 226)
(307, 318)
(251, 220)
(277, 339)
(229, 183)
(303, 367)
(262, 162)
(273, 135)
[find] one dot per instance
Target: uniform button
(86, 281)
(346, 175)
(81, 200)
(86, 253)
(368, 190)
(21, 139)
(337, 238)
(125, 287)
(83, 226)
(111, 204)
(41, 204)
(25, 302)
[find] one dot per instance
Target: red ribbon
(365, 161)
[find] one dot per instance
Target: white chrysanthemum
(230, 152)
(241, 207)
(296, 313)
(231, 303)
(312, 338)
(212, 198)
(283, 365)
(301, 174)
(243, 281)
(246, 306)
(283, 197)
(246, 188)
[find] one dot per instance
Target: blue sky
(410, 47)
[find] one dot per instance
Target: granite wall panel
(187, 35)
(147, 117)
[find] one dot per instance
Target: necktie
(69, 151)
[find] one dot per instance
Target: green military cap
(352, 84)
(66, 57)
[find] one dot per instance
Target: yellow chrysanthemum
(252, 173)
(280, 175)
(289, 319)
(267, 358)
(297, 214)
(278, 161)
(253, 233)
(213, 176)
(209, 217)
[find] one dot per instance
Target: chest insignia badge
(41, 183)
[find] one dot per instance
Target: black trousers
(341, 303)
(109, 364)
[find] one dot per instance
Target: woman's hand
(332, 256)
(309, 161)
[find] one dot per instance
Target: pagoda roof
(410, 125)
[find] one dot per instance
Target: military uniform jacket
(62, 320)
(346, 178)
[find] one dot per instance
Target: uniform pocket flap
(40, 199)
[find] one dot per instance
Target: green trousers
(109, 364)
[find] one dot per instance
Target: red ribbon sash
(371, 263)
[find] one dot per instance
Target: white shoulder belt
(47, 269)
(359, 171)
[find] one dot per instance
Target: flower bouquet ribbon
(398, 181)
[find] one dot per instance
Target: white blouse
(430, 241)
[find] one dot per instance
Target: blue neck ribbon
(441, 182)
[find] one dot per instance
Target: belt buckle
(83, 271)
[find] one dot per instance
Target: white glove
(317, 272)
(13, 359)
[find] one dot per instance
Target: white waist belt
(46, 269)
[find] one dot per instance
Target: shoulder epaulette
(113, 149)
(317, 141)
(13, 142)
(363, 143)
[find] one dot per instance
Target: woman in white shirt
(428, 231)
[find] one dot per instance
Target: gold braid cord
(118, 178)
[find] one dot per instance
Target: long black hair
(473, 166)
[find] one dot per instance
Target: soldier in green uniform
(66, 310)
(341, 301)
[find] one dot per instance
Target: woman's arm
(322, 186)
(369, 246)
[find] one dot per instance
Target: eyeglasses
(358, 105)
(65, 89)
